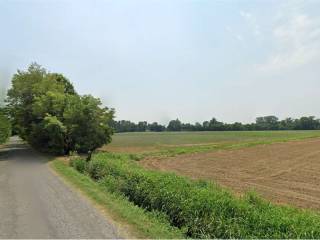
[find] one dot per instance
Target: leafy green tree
(87, 124)
(67, 86)
(237, 126)
(21, 97)
(267, 123)
(287, 124)
(215, 125)
(56, 132)
(198, 127)
(51, 116)
(124, 126)
(156, 127)
(5, 127)
(307, 123)
(34, 94)
(142, 126)
(174, 125)
(205, 125)
(49, 135)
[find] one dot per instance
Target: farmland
(199, 141)
(200, 183)
(282, 166)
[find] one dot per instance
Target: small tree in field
(87, 124)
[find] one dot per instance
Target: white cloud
(252, 22)
(237, 36)
(246, 15)
(296, 42)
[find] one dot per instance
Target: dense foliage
(128, 126)
(201, 209)
(5, 127)
(48, 113)
(261, 124)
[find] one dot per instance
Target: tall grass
(134, 222)
(201, 209)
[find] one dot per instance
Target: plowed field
(286, 173)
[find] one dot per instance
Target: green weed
(200, 209)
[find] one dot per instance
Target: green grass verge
(199, 208)
(141, 223)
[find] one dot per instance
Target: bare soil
(285, 173)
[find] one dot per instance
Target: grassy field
(172, 143)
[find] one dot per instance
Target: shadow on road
(19, 151)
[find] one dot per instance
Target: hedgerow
(202, 209)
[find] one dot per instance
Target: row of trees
(46, 111)
(261, 123)
(128, 126)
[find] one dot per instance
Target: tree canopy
(47, 112)
(5, 126)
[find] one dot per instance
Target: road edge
(131, 221)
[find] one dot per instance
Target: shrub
(79, 164)
(96, 169)
(202, 209)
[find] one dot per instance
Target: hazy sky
(158, 60)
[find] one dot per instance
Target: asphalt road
(35, 203)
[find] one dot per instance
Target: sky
(158, 60)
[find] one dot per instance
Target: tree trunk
(89, 156)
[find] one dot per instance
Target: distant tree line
(261, 124)
(143, 126)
